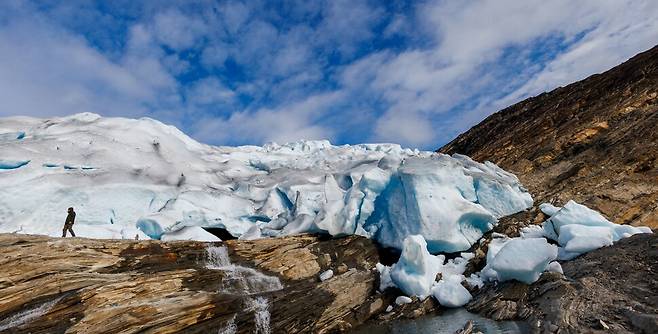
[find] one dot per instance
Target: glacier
(140, 178)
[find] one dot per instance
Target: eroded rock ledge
(73, 285)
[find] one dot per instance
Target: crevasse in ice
(128, 177)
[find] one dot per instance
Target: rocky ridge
(593, 141)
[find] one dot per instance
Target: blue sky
(231, 72)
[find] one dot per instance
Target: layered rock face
(50, 285)
(594, 141)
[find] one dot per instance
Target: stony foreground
(52, 285)
(74, 285)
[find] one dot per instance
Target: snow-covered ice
(125, 174)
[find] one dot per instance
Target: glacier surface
(128, 177)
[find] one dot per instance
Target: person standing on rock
(68, 224)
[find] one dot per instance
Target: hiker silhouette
(68, 224)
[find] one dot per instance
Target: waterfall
(28, 315)
(240, 280)
(260, 307)
(230, 328)
(244, 281)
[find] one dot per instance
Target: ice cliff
(140, 178)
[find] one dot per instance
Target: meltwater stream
(244, 282)
(446, 323)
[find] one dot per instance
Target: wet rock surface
(594, 141)
(74, 285)
(612, 289)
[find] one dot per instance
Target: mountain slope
(594, 141)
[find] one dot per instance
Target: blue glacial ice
(13, 164)
(153, 178)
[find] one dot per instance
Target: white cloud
(313, 70)
(293, 122)
(178, 31)
(464, 60)
(209, 91)
(45, 71)
(406, 128)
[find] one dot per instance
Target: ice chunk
(401, 300)
(252, 233)
(326, 275)
(533, 231)
(150, 227)
(385, 280)
(563, 255)
(416, 270)
(449, 292)
(554, 267)
(580, 229)
(548, 209)
(190, 233)
(523, 259)
(581, 238)
(474, 281)
(574, 213)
